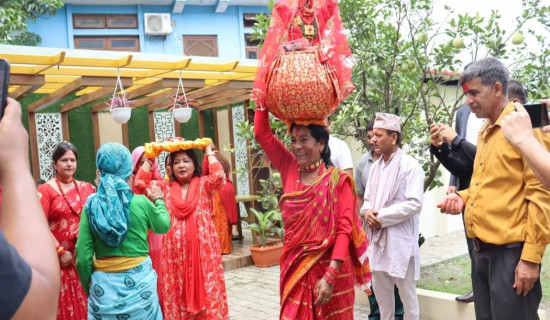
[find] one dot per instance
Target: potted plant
(266, 253)
(181, 110)
(119, 105)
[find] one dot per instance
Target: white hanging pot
(121, 115)
(182, 115)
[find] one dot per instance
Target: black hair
(63, 148)
(39, 182)
(191, 154)
(370, 125)
(516, 90)
(319, 133)
(399, 136)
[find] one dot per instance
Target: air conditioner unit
(157, 24)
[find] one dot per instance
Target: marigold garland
(154, 149)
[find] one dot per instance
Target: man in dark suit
(456, 152)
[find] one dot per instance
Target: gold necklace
(311, 167)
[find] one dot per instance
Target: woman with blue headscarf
(120, 282)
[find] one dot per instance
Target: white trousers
(383, 284)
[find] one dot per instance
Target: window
(107, 43)
(251, 47)
(204, 46)
(249, 19)
(252, 53)
(105, 21)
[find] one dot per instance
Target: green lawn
(453, 276)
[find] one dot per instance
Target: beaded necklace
(76, 213)
(311, 167)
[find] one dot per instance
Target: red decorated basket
(301, 88)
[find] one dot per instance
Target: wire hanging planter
(181, 110)
(119, 105)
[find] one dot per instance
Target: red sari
(192, 281)
(73, 302)
(333, 232)
(224, 210)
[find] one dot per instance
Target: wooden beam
(90, 81)
(231, 100)
(92, 96)
(125, 135)
(151, 119)
(222, 87)
(141, 102)
(161, 104)
(27, 79)
(22, 92)
(210, 90)
(65, 126)
(216, 132)
(177, 128)
(34, 145)
(95, 130)
(201, 124)
(223, 95)
(56, 96)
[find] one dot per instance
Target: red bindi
(465, 88)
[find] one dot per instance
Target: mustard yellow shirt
(505, 202)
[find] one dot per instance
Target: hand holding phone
(538, 112)
(4, 83)
(517, 125)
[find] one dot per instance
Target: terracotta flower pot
(268, 256)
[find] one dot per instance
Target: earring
(393, 142)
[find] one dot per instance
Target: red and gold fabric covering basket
(301, 89)
(154, 149)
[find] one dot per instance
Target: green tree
(408, 63)
(14, 15)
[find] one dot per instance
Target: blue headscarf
(109, 208)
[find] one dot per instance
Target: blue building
(215, 28)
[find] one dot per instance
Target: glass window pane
(121, 22)
(249, 19)
(89, 22)
(252, 54)
(123, 43)
(90, 43)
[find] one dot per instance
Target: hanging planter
(119, 105)
(181, 110)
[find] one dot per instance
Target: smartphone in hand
(538, 112)
(4, 83)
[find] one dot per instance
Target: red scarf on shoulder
(183, 209)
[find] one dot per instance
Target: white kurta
(400, 219)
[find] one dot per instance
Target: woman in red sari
(62, 199)
(224, 208)
(325, 248)
(192, 281)
(153, 239)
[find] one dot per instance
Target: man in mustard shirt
(507, 209)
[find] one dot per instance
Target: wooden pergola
(150, 80)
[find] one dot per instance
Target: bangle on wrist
(155, 199)
(60, 250)
(329, 279)
(210, 153)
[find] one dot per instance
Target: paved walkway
(253, 293)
